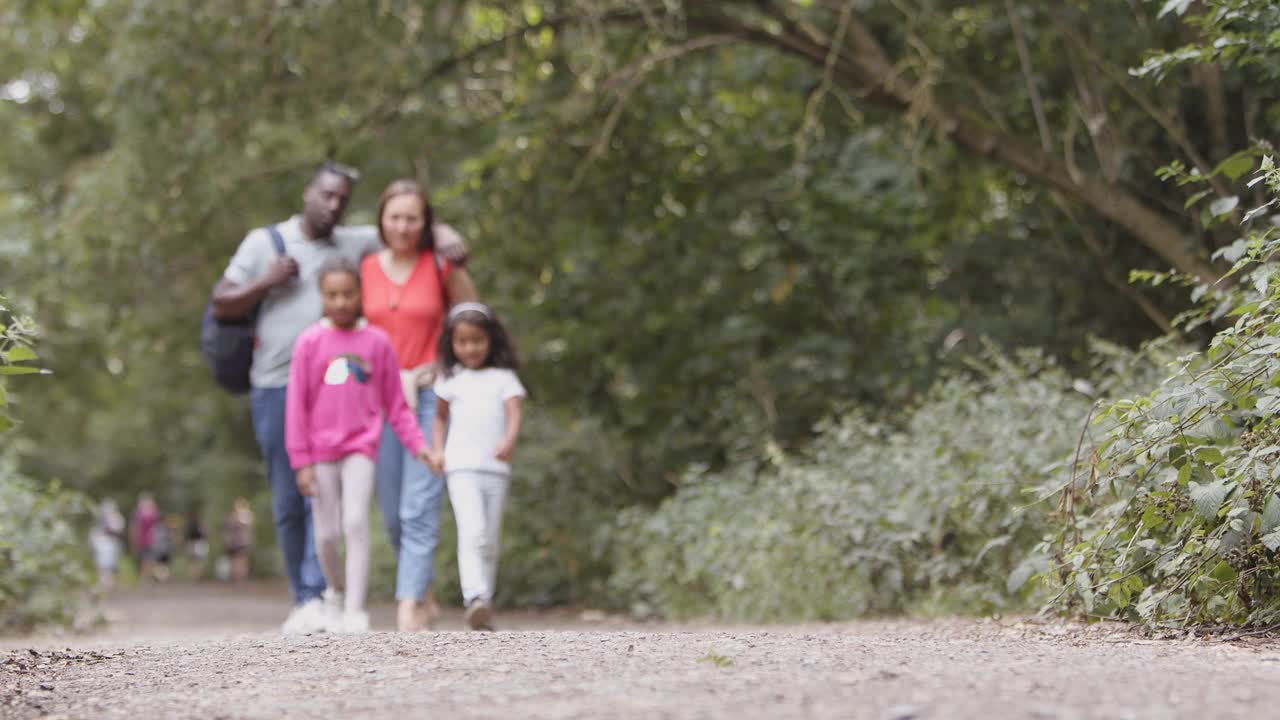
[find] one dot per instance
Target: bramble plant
(41, 571)
(16, 333)
(1173, 519)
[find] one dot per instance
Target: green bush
(42, 569)
(1177, 519)
(938, 515)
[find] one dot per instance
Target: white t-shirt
(477, 417)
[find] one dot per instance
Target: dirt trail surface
(207, 652)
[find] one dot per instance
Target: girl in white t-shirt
(476, 427)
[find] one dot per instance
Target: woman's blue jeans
(410, 496)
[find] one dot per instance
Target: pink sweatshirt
(341, 383)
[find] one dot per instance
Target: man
(284, 289)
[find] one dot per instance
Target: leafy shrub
(42, 572)
(1177, 520)
(937, 515)
(42, 568)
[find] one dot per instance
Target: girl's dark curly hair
(339, 266)
(502, 351)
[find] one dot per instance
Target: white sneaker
(305, 619)
(333, 603)
(355, 622)
(479, 616)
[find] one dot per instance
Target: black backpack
(228, 344)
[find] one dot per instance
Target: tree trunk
(1208, 77)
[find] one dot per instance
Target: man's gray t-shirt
(288, 310)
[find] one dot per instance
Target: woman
(145, 536)
(407, 290)
(107, 539)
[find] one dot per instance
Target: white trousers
(344, 490)
(477, 499)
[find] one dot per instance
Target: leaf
(1025, 571)
(20, 353)
(992, 544)
(1119, 595)
(18, 370)
(1151, 518)
(1270, 516)
(1235, 166)
(1084, 588)
(1208, 498)
(1234, 251)
(1223, 205)
(1184, 474)
(1272, 540)
(1223, 572)
(1208, 454)
(1258, 210)
(1196, 198)
(1175, 6)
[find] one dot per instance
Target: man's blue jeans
(410, 496)
(290, 509)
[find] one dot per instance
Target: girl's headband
(463, 307)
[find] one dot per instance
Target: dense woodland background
(815, 297)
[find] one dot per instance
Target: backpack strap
(277, 239)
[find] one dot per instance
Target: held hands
(434, 460)
(425, 375)
(306, 478)
(505, 450)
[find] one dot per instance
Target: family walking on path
(363, 380)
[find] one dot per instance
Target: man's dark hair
(346, 172)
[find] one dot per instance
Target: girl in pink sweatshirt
(344, 378)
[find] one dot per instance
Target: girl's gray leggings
(344, 490)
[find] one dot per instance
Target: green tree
(711, 224)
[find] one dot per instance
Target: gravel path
(154, 662)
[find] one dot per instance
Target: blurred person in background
(107, 541)
(143, 534)
(237, 539)
(197, 542)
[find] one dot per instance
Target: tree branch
(816, 97)
(1171, 125)
(1208, 76)
(1028, 75)
(632, 75)
(870, 74)
(389, 108)
(646, 64)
